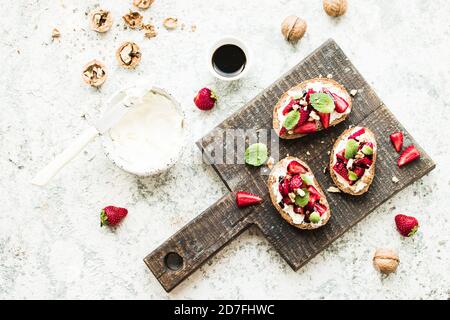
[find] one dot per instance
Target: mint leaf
(367, 150)
(256, 154)
(351, 148)
(291, 119)
(302, 201)
(307, 179)
(322, 102)
(352, 176)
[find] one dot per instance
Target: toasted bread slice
(297, 220)
(362, 185)
(329, 84)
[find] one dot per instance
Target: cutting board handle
(195, 243)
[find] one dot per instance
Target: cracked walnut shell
(94, 73)
(128, 55)
(133, 19)
(101, 20)
(293, 28)
(143, 4)
(150, 30)
(386, 260)
(335, 8)
(170, 23)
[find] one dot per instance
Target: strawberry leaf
(291, 119)
(322, 102)
(256, 154)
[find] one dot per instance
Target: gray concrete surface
(51, 245)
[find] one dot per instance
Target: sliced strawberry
(299, 210)
(408, 155)
(325, 119)
(283, 187)
(287, 200)
(304, 116)
(341, 170)
(309, 93)
(359, 171)
(244, 199)
(320, 208)
(296, 182)
(313, 194)
(283, 131)
(357, 133)
(365, 162)
(341, 157)
(308, 127)
(294, 167)
(289, 107)
(339, 103)
(397, 140)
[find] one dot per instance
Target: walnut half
(133, 19)
(128, 55)
(94, 73)
(101, 20)
(143, 4)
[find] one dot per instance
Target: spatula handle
(77, 145)
(199, 240)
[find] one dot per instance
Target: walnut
(129, 55)
(293, 28)
(133, 19)
(150, 30)
(101, 20)
(386, 260)
(335, 8)
(56, 33)
(143, 4)
(170, 23)
(94, 73)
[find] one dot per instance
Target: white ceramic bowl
(111, 151)
(236, 42)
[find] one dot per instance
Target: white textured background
(51, 245)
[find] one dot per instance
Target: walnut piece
(133, 19)
(143, 4)
(56, 33)
(386, 260)
(94, 73)
(101, 20)
(150, 30)
(170, 23)
(293, 28)
(335, 8)
(128, 55)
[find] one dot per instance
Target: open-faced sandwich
(311, 106)
(297, 195)
(352, 161)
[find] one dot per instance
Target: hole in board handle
(173, 261)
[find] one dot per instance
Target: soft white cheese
(149, 135)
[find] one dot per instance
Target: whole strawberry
(406, 225)
(205, 99)
(111, 216)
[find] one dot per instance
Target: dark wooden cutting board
(194, 244)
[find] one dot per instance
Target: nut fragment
(150, 30)
(386, 260)
(170, 23)
(101, 20)
(354, 92)
(143, 4)
(56, 33)
(335, 8)
(133, 19)
(333, 189)
(293, 28)
(128, 55)
(94, 73)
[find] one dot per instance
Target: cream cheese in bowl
(150, 137)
